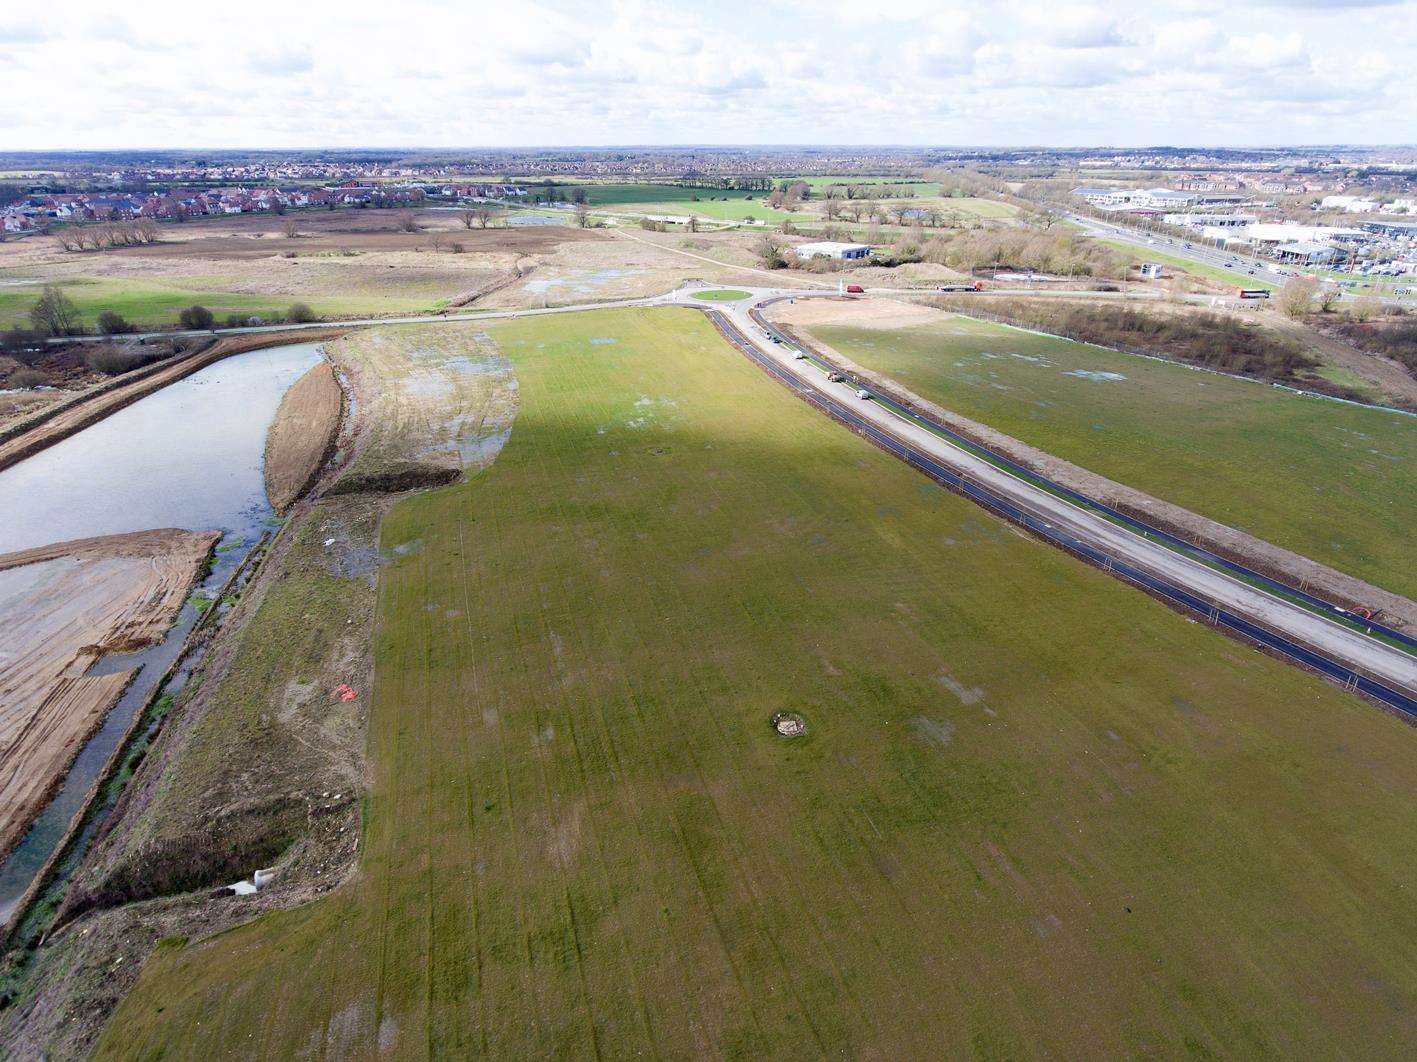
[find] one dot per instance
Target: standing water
(188, 456)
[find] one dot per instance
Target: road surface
(1380, 660)
(1376, 659)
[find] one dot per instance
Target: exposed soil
(1395, 383)
(859, 313)
(1227, 541)
(258, 763)
(18, 405)
(60, 421)
(302, 435)
(62, 607)
(344, 230)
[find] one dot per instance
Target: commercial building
(1210, 221)
(833, 249)
(1304, 252)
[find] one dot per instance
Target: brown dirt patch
(302, 435)
(62, 607)
(261, 237)
(859, 313)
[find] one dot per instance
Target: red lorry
(855, 289)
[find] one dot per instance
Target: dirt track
(89, 410)
(64, 606)
(302, 435)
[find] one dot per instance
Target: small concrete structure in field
(789, 724)
(833, 249)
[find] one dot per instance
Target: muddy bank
(260, 761)
(63, 607)
(1263, 556)
(302, 435)
(60, 422)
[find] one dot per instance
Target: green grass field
(1035, 811)
(720, 204)
(150, 304)
(1227, 277)
(721, 295)
(1334, 482)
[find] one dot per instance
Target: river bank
(64, 607)
(63, 419)
(260, 759)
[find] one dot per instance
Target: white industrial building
(1274, 233)
(1354, 204)
(1210, 221)
(1139, 198)
(833, 249)
(1305, 252)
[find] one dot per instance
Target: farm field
(1334, 482)
(1034, 812)
(721, 204)
(342, 264)
(969, 206)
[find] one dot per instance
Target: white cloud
(282, 63)
(22, 33)
(430, 72)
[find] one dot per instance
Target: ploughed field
(1033, 811)
(1330, 481)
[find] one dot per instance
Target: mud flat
(302, 436)
(63, 607)
(439, 400)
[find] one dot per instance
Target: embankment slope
(302, 435)
(61, 608)
(49, 426)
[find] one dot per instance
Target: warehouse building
(833, 249)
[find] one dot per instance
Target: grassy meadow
(1334, 482)
(156, 304)
(1034, 812)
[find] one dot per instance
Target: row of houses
(37, 210)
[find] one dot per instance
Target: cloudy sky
(150, 73)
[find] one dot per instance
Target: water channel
(191, 456)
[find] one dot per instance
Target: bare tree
(832, 209)
(54, 313)
(407, 222)
(770, 251)
(582, 215)
(468, 218)
(1296, 298)
(484, 217)
(146, 230)
(693, 225)
(290, 228)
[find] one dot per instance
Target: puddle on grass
(579, 281)
(1095, 374)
